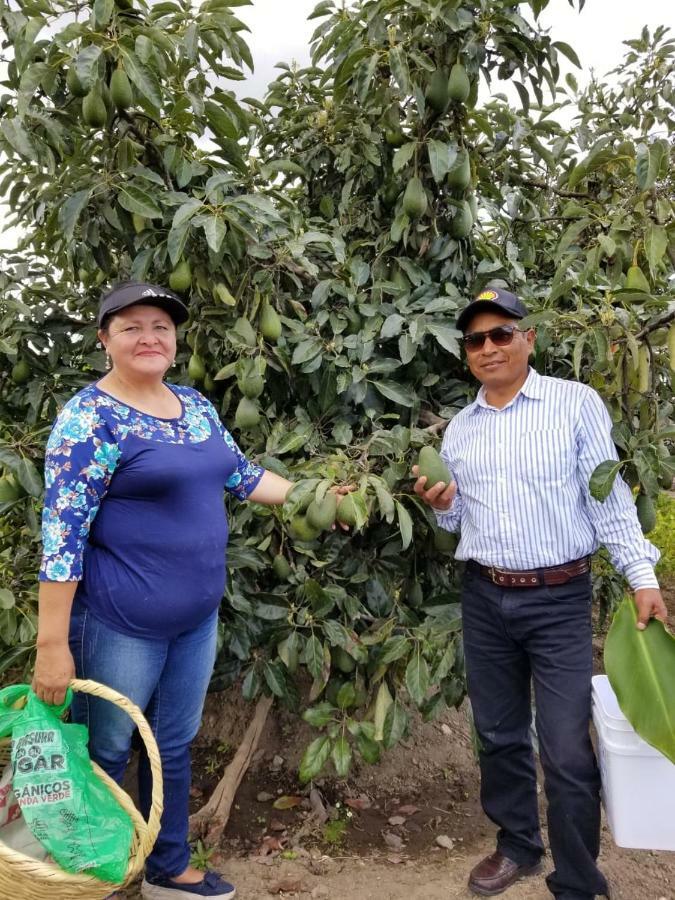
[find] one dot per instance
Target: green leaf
(384, 497)
(214, 229)
(578, 353)
(393, 649)
(251, 684)
(285, 166)
(364, 77)
(602, 479)
(647, 165)
(320, 715)
(86, 64)
(405, 525)
(399, 393)
(395, 724)
(391, 327)
(143, 78)
(342, 756)
(439, 159)
(407, 348)
(103, 10)
(446, 336)
(346, 696)
(403, 156)
(7, 600)
(325, 8)
(656, 243)
(176, 241)
(271, 612)
(399, 68)
(135, 200)
(220, 121)
(17, 137)
(313, 656)
(314, 758)
(417, 678)
(13, 657)
(567, 51)
(369, 749)
(72, 209)
(29, 478)
(640, 666)
(524, 96)
(445, 664)
(186, 211)
(274, 676)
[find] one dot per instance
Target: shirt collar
(532, 389)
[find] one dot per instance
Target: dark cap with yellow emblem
(495, 299)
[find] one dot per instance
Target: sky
(279, 31)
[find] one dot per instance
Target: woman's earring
(108, 362)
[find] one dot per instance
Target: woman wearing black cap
(133, 569)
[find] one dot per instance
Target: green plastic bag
(70, 811)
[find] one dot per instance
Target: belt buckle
(493, 574)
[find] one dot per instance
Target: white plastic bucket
(638, 782)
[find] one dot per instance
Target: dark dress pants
(542, 636)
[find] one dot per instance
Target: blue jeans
(167, 679)
(542, 636)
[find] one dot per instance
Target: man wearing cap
(521, 456)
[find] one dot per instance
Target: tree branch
(659, 323)
(149, 144)
(210, 821)
(433, 423)
(530, 182)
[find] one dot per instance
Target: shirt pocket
(544, 457)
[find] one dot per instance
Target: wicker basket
(23, 878)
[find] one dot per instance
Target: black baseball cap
(135, 293)
(496, 299)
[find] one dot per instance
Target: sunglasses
(501, 336)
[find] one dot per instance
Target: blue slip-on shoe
(212, 886)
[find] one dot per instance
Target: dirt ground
(384, 846)
(381, 840)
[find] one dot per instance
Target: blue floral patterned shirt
(134, 510)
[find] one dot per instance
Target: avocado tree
(324, 238)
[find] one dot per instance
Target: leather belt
(550, 576)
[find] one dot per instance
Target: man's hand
(649, 604)
(440, 496)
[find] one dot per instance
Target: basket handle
(86, 686)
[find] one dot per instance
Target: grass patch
(663, 536)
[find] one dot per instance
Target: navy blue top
(134, 510)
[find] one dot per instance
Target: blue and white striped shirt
(522, 475)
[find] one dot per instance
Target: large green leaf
(395, 724)
(603, 477)
(138, 201)
(417, 678)
(314, 758)
(29, 477)
(640, 666)
(342, 756)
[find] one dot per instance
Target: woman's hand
(54, 668)
(439, 497)
(341, 492)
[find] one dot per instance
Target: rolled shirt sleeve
(449, 519)
(615, 519)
